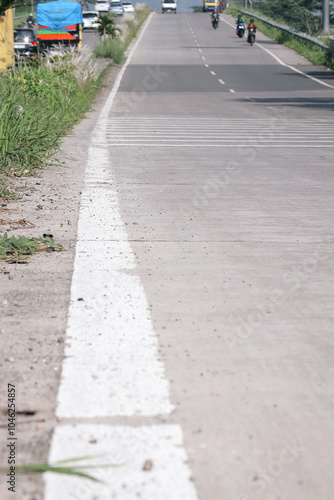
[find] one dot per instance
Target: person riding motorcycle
(253, 27)
(215, 15)
(31, 20)
(239, 20)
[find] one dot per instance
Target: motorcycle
(215, 22)
(241, 30)
(251, 35)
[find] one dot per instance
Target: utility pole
(325, 15)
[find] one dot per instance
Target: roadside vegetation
(317, 55)
(40, 101)
(14, 250)
(112, 45)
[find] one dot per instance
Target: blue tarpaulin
(59, 14)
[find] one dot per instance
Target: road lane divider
(112, 367)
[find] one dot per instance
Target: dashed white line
(233, 91)
(222, 82)
(287, 65)
(203, 58)
(206, 65)
(213, 73)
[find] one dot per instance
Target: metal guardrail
(303, 36)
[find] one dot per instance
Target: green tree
(302, 15)
(5, 5)
(106, 26)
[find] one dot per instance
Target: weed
(6, 192)
(39, 103)
(113, 47)
(72, 467)
(110, 48)
(12, 249)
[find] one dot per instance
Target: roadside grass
(72, 467)
(6, 192)
(40, 102)
(316, 55)
(13, 250)
(110, 48)
(114, 48)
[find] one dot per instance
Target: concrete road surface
(200, 354)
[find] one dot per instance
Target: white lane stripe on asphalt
(111, 341)
(249, 145)
(222, 82)
(112, 366)
(213, 73)
(111, 326)
(287, 65)
(126, 450)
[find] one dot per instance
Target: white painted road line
(222, 82)
(129, 448)
(213, 73)
(112, 366)
(206, 65)
(286, 65)
(233, 91)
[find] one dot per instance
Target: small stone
(148, 465)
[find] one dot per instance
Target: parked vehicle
(90, 18)
(169, 6)
(102, 6)
(128, 7)
(25, 43)
(116, 8)
(58, 23)
(241, 28)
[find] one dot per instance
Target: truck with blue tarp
(59, 23)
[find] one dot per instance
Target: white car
(128, 7)
(116, 8)
(102, 6)
(90, 18)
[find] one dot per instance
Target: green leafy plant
(106, 26)
(12, 248)
(72, 467)
(39, 103)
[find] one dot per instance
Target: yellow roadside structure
(6, 40)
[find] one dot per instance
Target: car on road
(25, 43)
(102, 6)
(169, 6)
(90, 18)
(116, 8)
(128, 7)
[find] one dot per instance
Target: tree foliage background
(5, 5)
(302, 15)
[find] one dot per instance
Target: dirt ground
(34, 300)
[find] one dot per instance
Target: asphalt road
(217, 166)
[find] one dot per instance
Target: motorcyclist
(222, 6)
(251, 26)
(30, 20)
(239, 20)
(215, 16)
